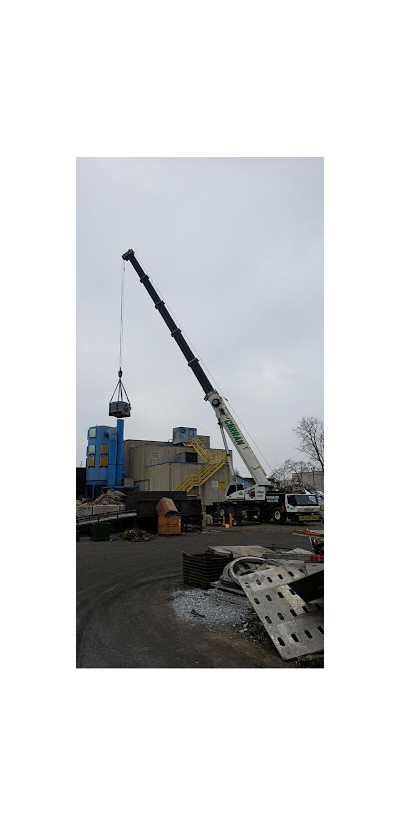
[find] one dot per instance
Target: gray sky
(235, 248)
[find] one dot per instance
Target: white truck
(260, 502)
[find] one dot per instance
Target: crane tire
(279, 517)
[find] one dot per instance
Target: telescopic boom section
(216, 400)
(176, 333)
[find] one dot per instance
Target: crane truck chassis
(280, 506)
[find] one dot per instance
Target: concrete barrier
(98, 510)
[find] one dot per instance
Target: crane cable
(121, 325)
(120, 387)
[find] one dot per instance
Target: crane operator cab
(234, 488)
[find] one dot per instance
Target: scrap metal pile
(284, 587)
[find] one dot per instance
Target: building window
(92, 432)
(103, 461)
(91, 461)
(92, 449)
(104, 450)
(190, 457)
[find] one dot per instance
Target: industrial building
(186, 463)
(104, 458)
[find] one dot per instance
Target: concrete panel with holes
(295, 627)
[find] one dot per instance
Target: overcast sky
(235, 248)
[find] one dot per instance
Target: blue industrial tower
(104, 458)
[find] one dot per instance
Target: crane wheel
(279, 517)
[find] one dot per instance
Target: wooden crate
(169, 525)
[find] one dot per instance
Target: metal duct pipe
(112, 457)
(120, 453)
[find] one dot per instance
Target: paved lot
(126, 605)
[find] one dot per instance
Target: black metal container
(203, 569)
(100, 532)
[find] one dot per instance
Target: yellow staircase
(214, 462)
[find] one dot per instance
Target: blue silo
(104, 458)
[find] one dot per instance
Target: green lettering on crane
(234, 432)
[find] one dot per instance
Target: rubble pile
(110, 497)
(136, 535)
(284, 587)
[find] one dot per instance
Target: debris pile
(136, 535)
(110, 497)
(284, 587)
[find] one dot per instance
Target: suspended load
(120, 408)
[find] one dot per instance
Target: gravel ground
(134, 611)
(211, 608)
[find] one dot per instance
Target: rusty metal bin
(203, 569)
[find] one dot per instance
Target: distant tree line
(310, 432)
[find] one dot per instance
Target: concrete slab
(237, 550)
(303, 635)
(295, 627)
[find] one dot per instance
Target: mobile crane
(259, 501)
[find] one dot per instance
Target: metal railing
(214, 463)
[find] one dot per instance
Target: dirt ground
(133, 610)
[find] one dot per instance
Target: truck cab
(302, 507)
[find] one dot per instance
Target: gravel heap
(211, 608)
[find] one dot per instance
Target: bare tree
(311, 438)
(299, 468)
(283, 473)
(291, 472)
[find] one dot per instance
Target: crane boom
(217, 402)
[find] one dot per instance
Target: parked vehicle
(320, 497)
(279, 506)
